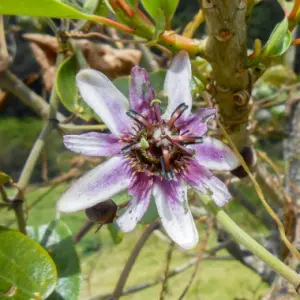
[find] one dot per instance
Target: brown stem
(199, 258)
(166, 272)
(15, 86)
(87, 226)
(132, 258)
(17, 206)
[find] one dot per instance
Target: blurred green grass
(102, 261)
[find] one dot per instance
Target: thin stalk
(260, 194)
(164, 287)
(243, 238)
(3, 46)
(33, 157)
(86, 227)
(18, 88)
(132, 258)
(76, 128)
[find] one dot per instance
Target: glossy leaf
(56, 237)
(4, 178)
(279, 40)
(44, 8)
(26, 269)
(91, 5)
(160, 22)
(167, 6)
(115, 232)
(67, 89)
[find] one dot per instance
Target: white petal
(93, 144)
(140, 189)
(105, 99)
(203, 180)
(99, 184)
(215, 155)
(176, 217)
(133, 214)
(177, 84)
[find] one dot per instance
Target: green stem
(243, 238)
(32, 159)
(76, 128)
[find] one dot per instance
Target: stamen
(177, 113)
(128, 148)
(167, 175)
(185, 132)
(157, 110)
(139, 118)
(188, 140)
(184, 150)
(166, 156)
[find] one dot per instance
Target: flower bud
(103, 212)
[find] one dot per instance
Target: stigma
(157, 146)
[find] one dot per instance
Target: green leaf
(279, 40)
(160, 22)
(56, 237)
(4, 178)
(26, 269)
(91, 5)
(42, 8)
(167, 6)
(115, 232)
(67, 90)
(121, 198)
(122, 84)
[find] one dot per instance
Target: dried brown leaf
(112, 62)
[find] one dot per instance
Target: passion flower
(154, 154)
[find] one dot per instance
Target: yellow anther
(155, 101)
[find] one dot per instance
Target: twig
(243, 238)
(76, 128)
(32, 159)
(199, 257)
(265, 101)
(15, 86)
(51, 24)
(260, 194)
(131, 260)
(3, 46)
(148, 62)
(87, 226)
(166, 271)
(3, 194)
(176, 271)
(82, 35)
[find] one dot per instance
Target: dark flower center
(157, 146)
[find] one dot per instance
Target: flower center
(157, 146)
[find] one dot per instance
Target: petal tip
(189, 244)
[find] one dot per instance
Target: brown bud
(103, 212)
(250, 159)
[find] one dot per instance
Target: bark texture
(226, 51)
